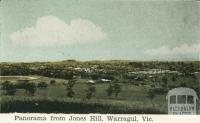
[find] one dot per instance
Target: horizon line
(100, 60)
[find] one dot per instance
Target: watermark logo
(182, 101)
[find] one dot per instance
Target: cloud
(184, 49)
(51, 31)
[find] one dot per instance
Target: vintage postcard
(100, 61)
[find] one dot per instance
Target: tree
(151, 95)
(117, 89)
(52, 82)
(174, 78)
(21, 84)
(10, 88)
(30, 88)
(186, 72)
(70, 91)
(89, 92)
(109, 90)
(42, 85)
(165, 81)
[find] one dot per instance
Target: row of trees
(112, 89)
(91, 89)
(10, 88)
(30, 88)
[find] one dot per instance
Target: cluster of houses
(155, 71)
(101, 80)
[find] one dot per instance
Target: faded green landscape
(113, 86)
(97, 56)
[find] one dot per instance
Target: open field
(131, 94)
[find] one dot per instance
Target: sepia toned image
(99, 56)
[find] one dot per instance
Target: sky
(50, 30)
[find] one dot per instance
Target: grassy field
(131, 96)
(72, 105)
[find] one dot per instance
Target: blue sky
(46, 30)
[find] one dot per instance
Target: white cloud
(51, 31)
(184, 49)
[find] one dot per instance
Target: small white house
(182, 101)
(105, 80)
(90, 82)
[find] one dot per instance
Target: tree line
(31, 87)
